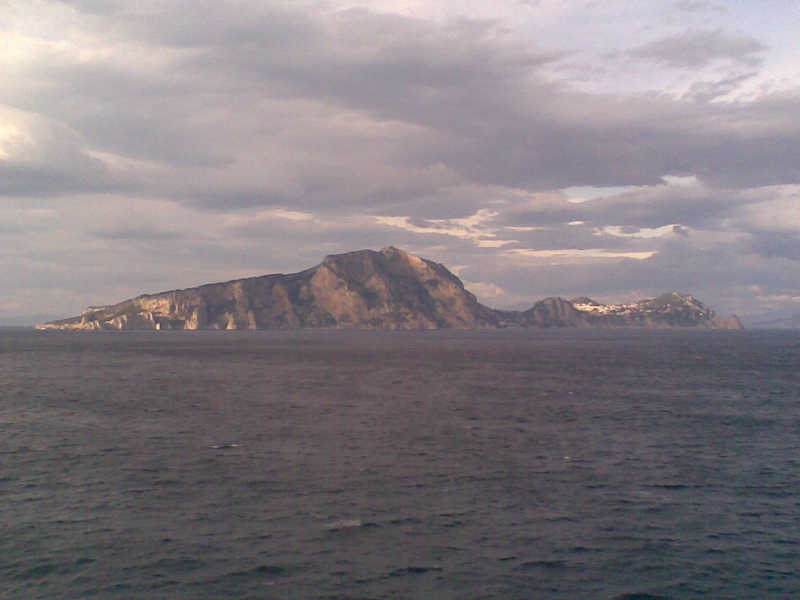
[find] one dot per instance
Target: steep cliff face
(555, 312)
(389, 289)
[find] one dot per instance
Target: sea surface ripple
(448, 465)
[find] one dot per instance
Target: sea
(541, 464)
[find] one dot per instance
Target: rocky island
(390, 289)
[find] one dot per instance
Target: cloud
(685, 201)
(697, 48)
(41, 158)
(691, 6)
(781, 244)
(269, 106)
(146, 234)
(240, 138)
(706, 91)
(10, 228)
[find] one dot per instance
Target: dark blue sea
(633, 465)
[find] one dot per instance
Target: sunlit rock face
(390, 289)
(668, 310)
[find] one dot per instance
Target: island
(366, 289)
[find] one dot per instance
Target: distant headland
(390, 289)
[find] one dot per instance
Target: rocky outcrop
(731, 322)
(390, 289)
(668, 310)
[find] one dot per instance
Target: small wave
(413, 571)
(544, 564)
(343, 524)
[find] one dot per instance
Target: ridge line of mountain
(365, 289)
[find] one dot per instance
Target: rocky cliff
(389, 289)
(668, 310)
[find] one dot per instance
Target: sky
(616, 149)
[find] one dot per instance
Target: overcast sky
(611, 148)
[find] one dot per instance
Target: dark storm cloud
(232, 105)
(697, 48)
(705, 91)
(146, 234)
(651, 207)
(693, 206)
(773, 244)
(21, 180)
(49, 161)
(579, 237)
(120, 109)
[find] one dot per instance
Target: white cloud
(240, 138)
(698, 47)
(584, 193)
(576, 253)
(476, 228)
(637, 232)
